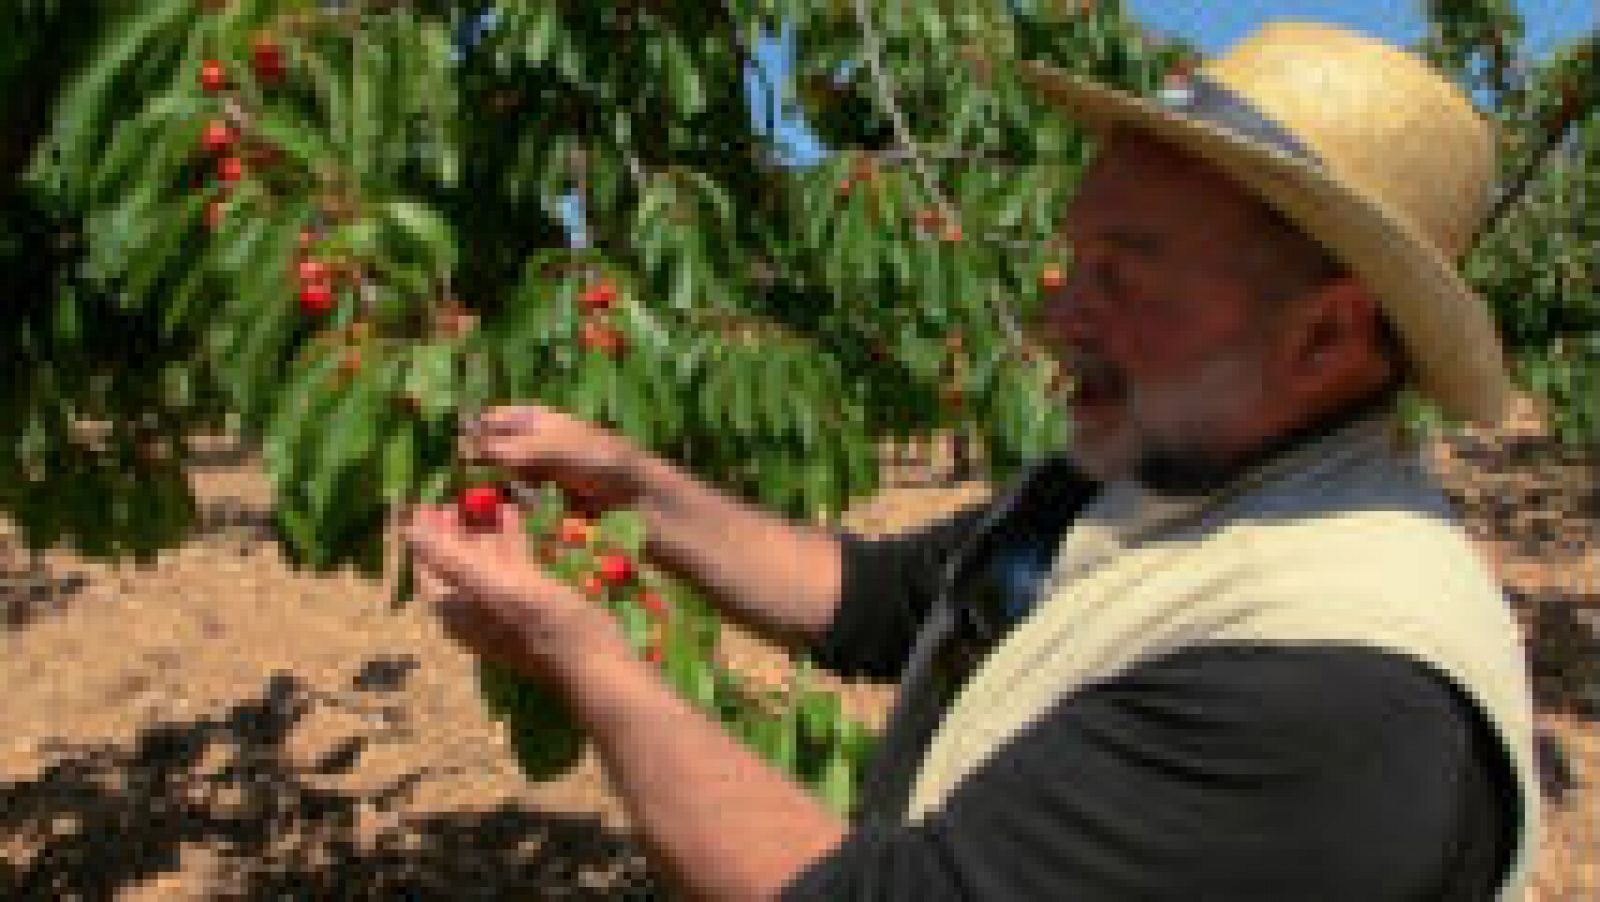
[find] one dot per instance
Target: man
(1230, 645)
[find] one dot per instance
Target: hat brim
(1448, 330)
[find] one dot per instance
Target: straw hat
(1364, 145)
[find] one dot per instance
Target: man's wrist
(554, 648)
(598, 686)
(654, 483)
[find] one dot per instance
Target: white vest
(1343, 540)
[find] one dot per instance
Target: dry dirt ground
(219, 726)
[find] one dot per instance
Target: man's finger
(506, 419)
(430, 584)
(438, 544)
(475, 559)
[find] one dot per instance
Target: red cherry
(615, 568)
(217, 137)
(593, 586)
(1052, 278)
(213, 77)
(597, 336)
(267, 57)
(312, 270)
(230, 169)
(574, 531)
(480, 505)
(316, 298)
(652, 603)
(600, 297)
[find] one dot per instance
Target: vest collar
(1126, 509)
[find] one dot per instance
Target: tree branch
(885, 92)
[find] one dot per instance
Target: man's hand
(494, 600)
(721, 822)
(598, 468)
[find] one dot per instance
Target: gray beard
(1186, 471)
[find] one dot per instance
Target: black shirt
(1219, 772)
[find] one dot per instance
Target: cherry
(230, 169)
(615, 568)
(213, 78)
(574, 531)
(312, 270)
(479, 506)
(217, 137)
(652, 603)
(316, 298)
(593, 586)
(600, 297)
(267, 57)
(597, 336)
(1052, 278)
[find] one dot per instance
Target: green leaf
(350, 437)
(838, 783)
(683, 76)
(428, 228)
(820, 713)
(432, 380)
(400, 462)
(624, 530)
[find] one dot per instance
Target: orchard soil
(219, 726)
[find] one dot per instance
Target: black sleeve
(888, 586)
(1237, 773)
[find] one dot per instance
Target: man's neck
(1187, 477)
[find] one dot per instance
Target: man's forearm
(719, 821)
(778, 578)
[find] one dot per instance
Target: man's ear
(1334, 323)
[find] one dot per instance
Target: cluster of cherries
(598, 333)
(864, 171)
(315, 277)
(479, 506)
(219, 139)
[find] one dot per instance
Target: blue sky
(1216, 25)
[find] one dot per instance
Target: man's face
(1156, 321)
